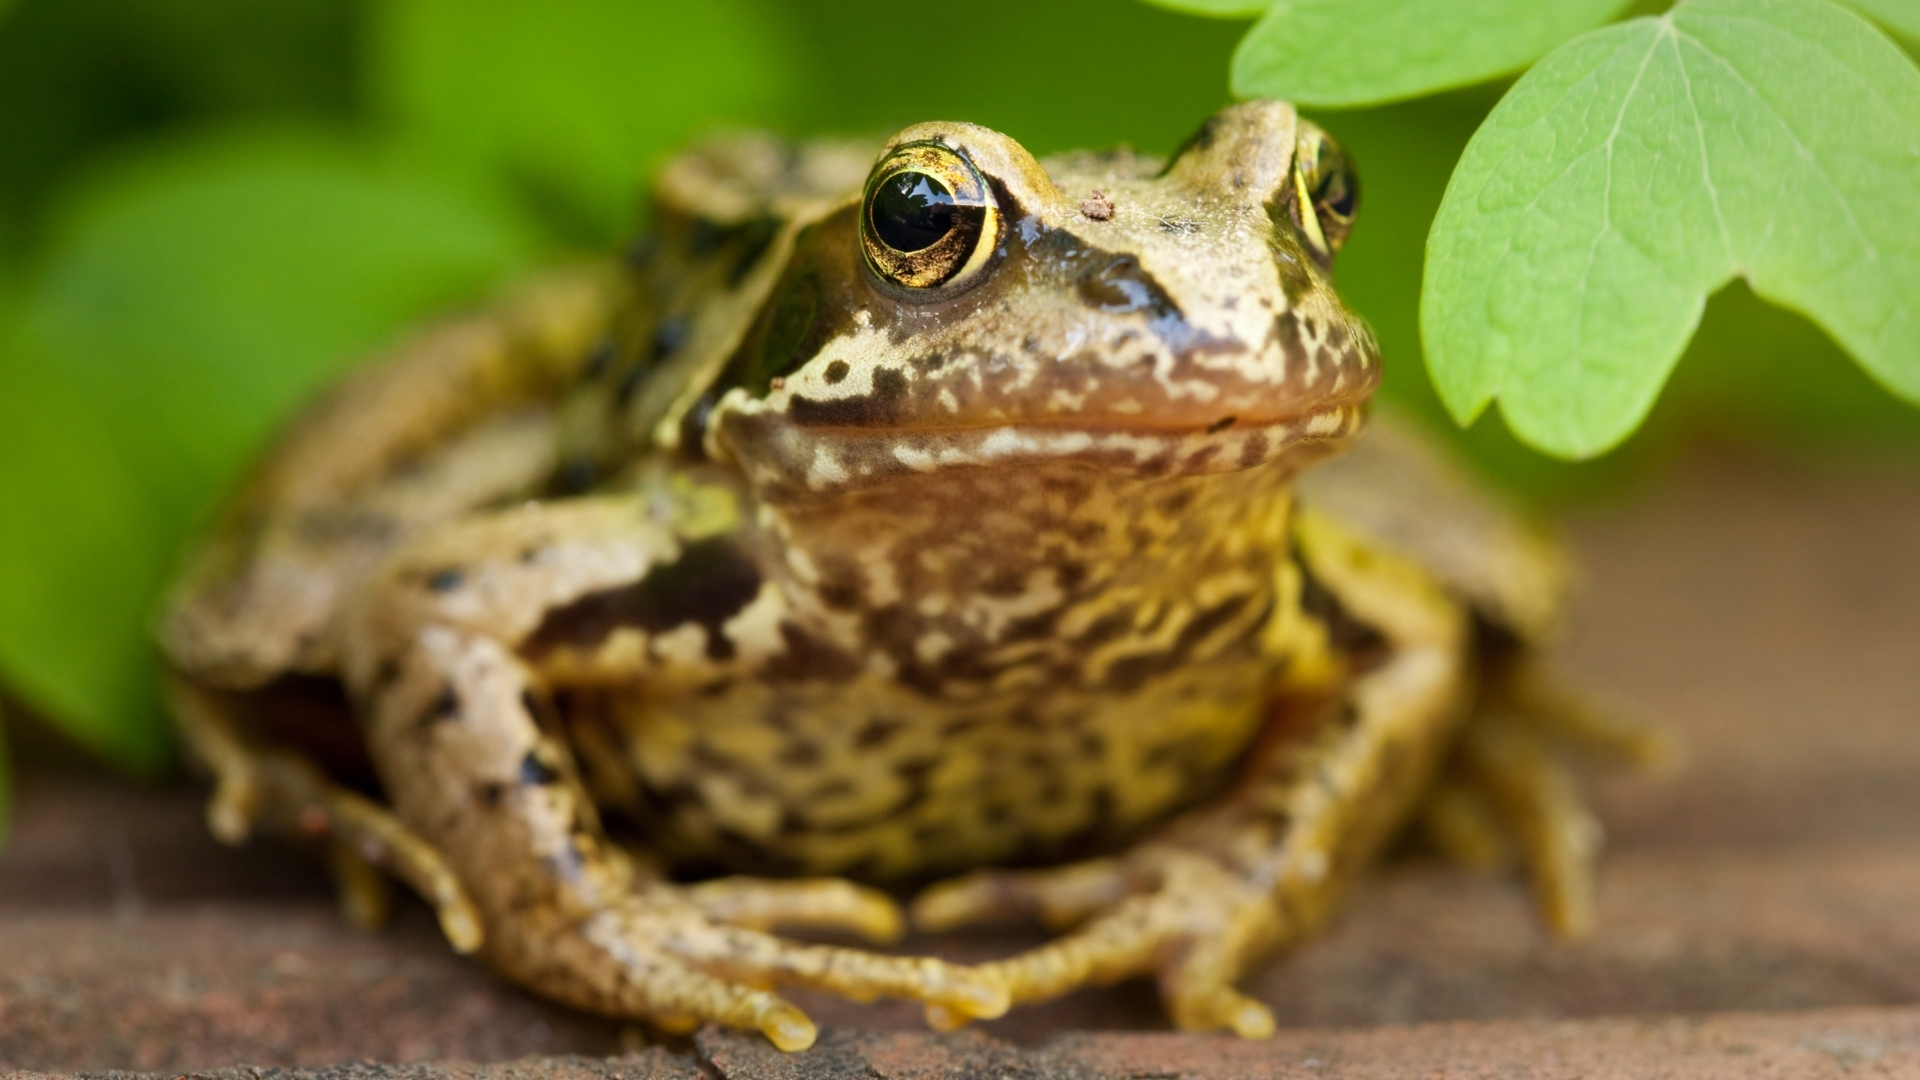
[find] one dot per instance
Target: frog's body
(869, 534)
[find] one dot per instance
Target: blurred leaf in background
(571, 101)
(190, 297)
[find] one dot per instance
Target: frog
(937, 519)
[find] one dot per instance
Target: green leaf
(1364, 52)
(1899, 15)
(191, 298)
(1217, 9)
(1641, 167)
(82, 554)
(573, 99)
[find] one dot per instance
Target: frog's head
(972, 307)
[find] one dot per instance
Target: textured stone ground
(1760, 913)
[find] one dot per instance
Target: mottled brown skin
(797, 556)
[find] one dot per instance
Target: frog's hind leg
(1198, 901)
(1510, 788)
(257, 788)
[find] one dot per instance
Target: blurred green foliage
(208, 206)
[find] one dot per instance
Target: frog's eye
(1326, 192)
(928, 221)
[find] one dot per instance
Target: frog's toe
(752, 956)
(1186, 918)
(1058, 897)
(1536, 796)
(812, 904)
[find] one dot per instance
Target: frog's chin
(805, 461)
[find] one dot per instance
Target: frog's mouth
(825, 459)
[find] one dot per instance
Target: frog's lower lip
(837, 458)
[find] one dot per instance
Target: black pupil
(912, 211)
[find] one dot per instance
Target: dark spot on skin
(840, 587)
(1220, 425)
(536, 772)
(877, 732)
(1005, 582)
(1032, 627)
(879, 407)
(693, 425)
(1071, 575)
(641, 253)
(1287, 333)
(490, 795)
(914, 774)
(445, 707)
(668, 338)
(708, 584)
(447, 580)
(1254, 450)
(383, 677)
(1206, 622)
(1346, 633)
(838, 788)
(1106, 628)
(576, 476)
(1129, 673)
(838, 371)
(630, 384)
(807, 658)
(1176, 504)
(800, 753)
(599, 359)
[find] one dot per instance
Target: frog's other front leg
(1510, 790)
(258, 787)
(454, 717)
(1198, 901)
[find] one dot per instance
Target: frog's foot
(659, 953)
(1510, 789)
(258, 789)
(1184, 916)
(1195, 904)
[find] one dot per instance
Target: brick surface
(1757, 911)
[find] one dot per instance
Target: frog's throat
(786, 461)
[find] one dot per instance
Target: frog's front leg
(1196, 902)
(454, 714)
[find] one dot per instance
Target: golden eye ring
(1326, 192)
(928, 221)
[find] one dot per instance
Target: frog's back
(518, 399)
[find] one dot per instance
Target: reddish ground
(1760, 913)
